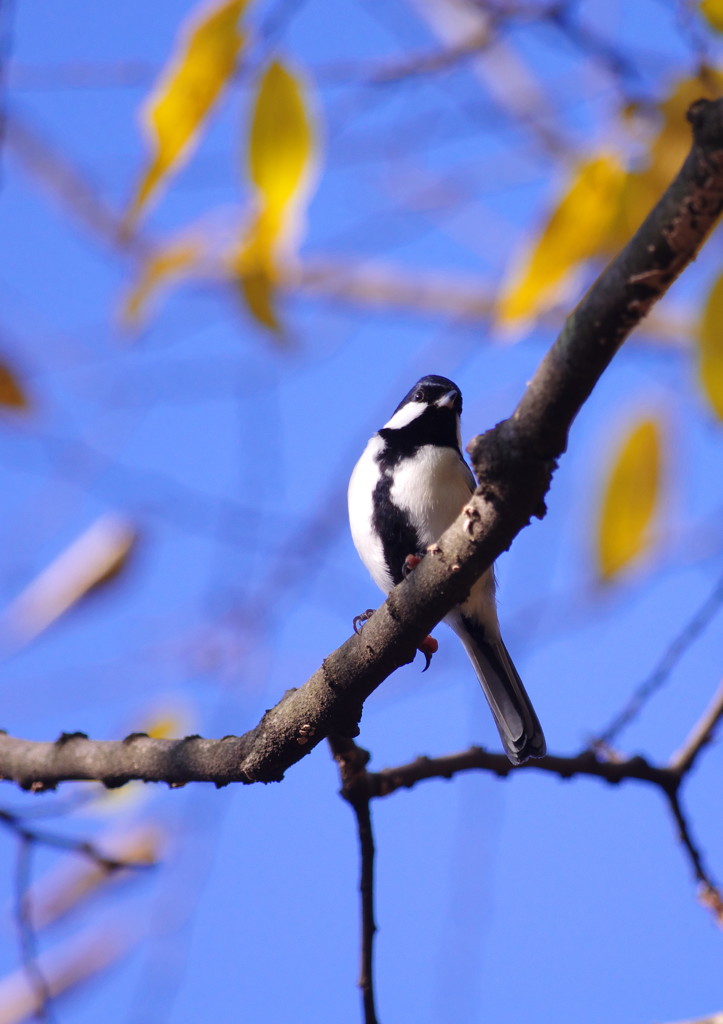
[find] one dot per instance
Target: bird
(407, 488)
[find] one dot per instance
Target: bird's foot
(410, 562)
(428, 647)
(359, 620)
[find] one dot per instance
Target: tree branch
(352, 761)
(405, 776)
(702, 734)
(667, 779)
(514, 464)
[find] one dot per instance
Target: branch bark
(514, 464)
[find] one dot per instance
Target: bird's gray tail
(514, 715)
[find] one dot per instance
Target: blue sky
(535, 896)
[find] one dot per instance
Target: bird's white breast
(431, 487)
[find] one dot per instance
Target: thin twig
(366, 889)
(26, 933)
(80, 846)
(352, 761)
(478, 759)
(668, 779)
(710, 892)
(702, 733)
(661, 673)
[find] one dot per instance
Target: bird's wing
(468, 474)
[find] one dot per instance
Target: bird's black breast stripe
(390, 523)
(435, 426)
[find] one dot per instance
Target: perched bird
(410, 484)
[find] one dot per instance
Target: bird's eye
(418, 396)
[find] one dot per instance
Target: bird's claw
(428, 647)
(359, 620)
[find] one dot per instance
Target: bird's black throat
(434, 426)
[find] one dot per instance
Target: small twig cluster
(360, 787)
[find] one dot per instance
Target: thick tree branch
(514, 464)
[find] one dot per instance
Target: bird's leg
(359, 620)
(429, 645)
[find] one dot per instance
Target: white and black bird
(410, 484)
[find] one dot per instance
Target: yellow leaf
(282, 144)
(282, 156)
(257, 288)
(187, 91)
(164, 266)
(630, 500)
(167, 723)
(255, 266)
(96, 557)
(712, 11)
(666, 152)
(12, 393)
(710, 349)
(574, 232)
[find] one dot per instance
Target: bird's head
(428, 414)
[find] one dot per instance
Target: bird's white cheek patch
(406, 415)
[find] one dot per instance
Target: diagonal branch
(661, 673)
(701, 736)
(514, 464)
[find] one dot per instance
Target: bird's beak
(447, 401)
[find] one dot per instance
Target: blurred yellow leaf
(282, 154)
(94, 558)
(256, 268)
(574, 232)
(666, 152)
(12, 393)
(167, 723)
(281, 145)
(259, 291)
(182, 99)
(710, 349)
(165, 265)
(712, 11)
(630, 500)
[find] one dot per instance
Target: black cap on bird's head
(434, 390)
(428, 414)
